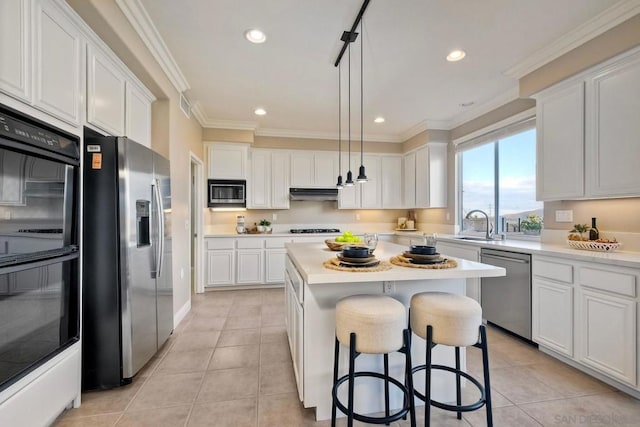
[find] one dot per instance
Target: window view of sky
(516, 177)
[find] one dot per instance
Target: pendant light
(362, 176)
(339, 184)
(349, 181)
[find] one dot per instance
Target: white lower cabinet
(220, 261)
(465, 252)
(249, 266)
(274, 265)
(588, 312)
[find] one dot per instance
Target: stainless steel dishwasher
(506, 300)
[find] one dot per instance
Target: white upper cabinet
(613, 136)
(268, 186)
(560, 143)
(391, 178)
(14, 48)
(348, 197)
(409, 172)
(431, 176)
(312, 169)
(228, 160)
(105, 93)
(587, 133)
(57, 63)
(138, 115)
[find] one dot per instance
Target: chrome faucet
(488, 233)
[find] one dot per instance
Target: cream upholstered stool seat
(456, 321)
(372, 324)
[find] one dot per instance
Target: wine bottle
(594, 234)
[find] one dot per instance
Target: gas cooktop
(314, 230)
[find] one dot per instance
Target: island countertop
(309, 257)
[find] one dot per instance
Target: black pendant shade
(349, 181)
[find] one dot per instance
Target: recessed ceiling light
(456, 55)
(255, 36)
(379, 120)
(260, 111)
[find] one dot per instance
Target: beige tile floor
(228, 364)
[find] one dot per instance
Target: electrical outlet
(7, 214)
(388, 287)
(448, 216)
(274, 217)
(357, 217)
(564, 216)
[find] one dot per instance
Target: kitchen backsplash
(614, 215)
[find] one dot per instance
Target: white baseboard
(180, 314)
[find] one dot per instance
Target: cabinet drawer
(617, 282)
(277, 242)
(553, 270)
(250, 243)
(219, 243)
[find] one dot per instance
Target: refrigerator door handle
(160, 219)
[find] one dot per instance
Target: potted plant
(532, 224)
(265, 226)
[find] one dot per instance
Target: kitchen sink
(478, 239)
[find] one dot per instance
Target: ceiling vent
(185, 107)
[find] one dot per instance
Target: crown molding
(142, 24)
(308, 134)
(475, 112)
(604, 21)
(206, 122)
(423, 126)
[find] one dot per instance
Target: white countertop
(308, 258)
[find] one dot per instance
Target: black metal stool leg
(386, 385)
(352, 363)
(485, 368)
(458, 391)
(409, 376)
(336, 358)
(427, 378)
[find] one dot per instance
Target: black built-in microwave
(227, 193)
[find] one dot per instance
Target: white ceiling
(406, 77)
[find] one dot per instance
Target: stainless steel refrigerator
(127, 295)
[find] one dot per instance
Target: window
(498, 176)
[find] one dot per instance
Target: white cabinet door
(12, 166)
(431, 176)
(274, 265)
(302, 170)
(249, 266)
(14, 48)
(348, 197)
(325, 169)
(105, 93)
(409, 188)
(612, 144)
(607, 334)
(370, 191)
(552, 315)
(280, 164)
(392, 178)
(228, 161)
(422, 178)
(468, 253)
(220, 267)
(138, 115)
(560, 143)
(259, 186)
(57, 63)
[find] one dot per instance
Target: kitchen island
(311, 295)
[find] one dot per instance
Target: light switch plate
(564, 216)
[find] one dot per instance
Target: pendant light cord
(361, 91)
(349, 166)
(339, 121)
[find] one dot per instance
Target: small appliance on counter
(240, 229)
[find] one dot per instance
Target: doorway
(195, 221)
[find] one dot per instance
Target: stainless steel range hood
(316, 194)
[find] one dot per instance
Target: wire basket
(593, 246)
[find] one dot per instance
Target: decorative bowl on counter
(337, 246)
(423, 250)
(592, 245)
(355, 251)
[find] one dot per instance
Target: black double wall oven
(39, 254)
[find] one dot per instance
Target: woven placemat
(334, 264)
(406, 262)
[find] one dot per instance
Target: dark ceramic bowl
(355, 251)
(423, 250)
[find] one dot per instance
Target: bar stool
(452, 320)
(372, 324)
